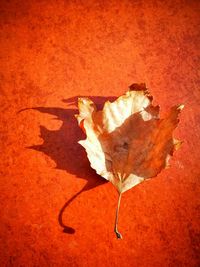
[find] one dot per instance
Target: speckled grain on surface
(54, 51)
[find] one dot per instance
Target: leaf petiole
(119, 236)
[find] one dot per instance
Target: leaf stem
(119, 236)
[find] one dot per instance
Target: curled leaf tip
(181, 106)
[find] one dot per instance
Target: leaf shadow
(62, 147)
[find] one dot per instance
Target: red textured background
(54, 51)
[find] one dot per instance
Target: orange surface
(55, 211)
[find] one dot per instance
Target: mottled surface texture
(54, 51)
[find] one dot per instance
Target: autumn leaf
(127, 142)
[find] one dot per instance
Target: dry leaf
(127, 142)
